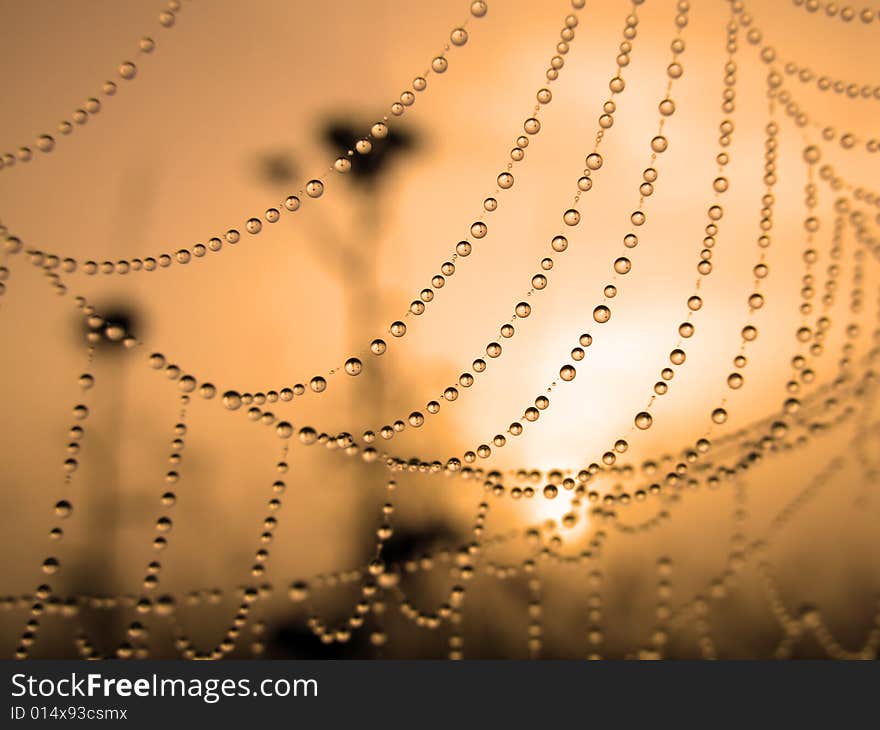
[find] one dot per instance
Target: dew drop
(232, 400)
(353, 366)
(505, 180)
(298, 592)
(559, 243)
(659, 143)
(51, 566)
(594, 161)
(284, 430)
(667, 107)
(601, 314)
(128, 70)
(479, 8)
(458, 37)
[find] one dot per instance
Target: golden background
(228, 116)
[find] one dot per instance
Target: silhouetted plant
(366, 170)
